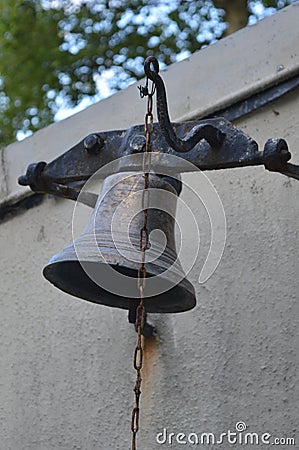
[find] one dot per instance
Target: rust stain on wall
(151, 369)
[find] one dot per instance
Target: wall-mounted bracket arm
(276, 154)
(65, 175)
(210, 144)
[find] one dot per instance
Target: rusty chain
(143, 244)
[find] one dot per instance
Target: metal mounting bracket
(210, 144)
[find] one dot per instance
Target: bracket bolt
(137, 143)
(93, 143)
(285, 155)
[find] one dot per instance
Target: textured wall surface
(66, 364)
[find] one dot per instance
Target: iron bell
(102, 264)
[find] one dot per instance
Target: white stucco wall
(66, 364)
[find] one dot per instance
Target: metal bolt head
(285, 154)
(93, 143)
(137, 143)
(33, 175)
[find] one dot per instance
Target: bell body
(102, 264)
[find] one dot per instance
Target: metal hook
(206, 131)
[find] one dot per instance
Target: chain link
(143, 244)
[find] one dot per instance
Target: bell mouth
(72, 277)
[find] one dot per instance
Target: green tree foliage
(54, 52)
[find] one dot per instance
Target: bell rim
(179, 298)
